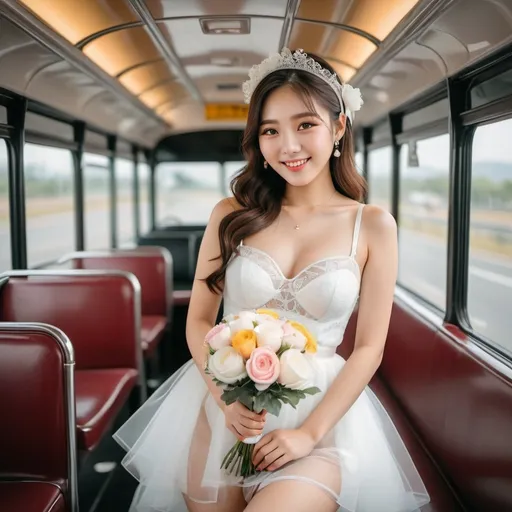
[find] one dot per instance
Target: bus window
(379, 177)
(187, 192)
(423, 217)
(144, 197)
(359, 162)
(49, 203)
(125, 203)
(231, 169)
(5, 229)
(96, 201)
(490, 249)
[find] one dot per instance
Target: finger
(247, 432)
(254, 425)
(279, 463)
(259, 456)
(270, 460)
(243, 411)
(264, 446)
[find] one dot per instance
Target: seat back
(184, 247)
(152, 266)
(98, 310)
(37, 431)
(458, 398)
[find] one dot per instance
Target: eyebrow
(296, 116)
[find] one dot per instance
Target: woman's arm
(376, 301)
(204, 305)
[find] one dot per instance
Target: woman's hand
(243, 422)
(280, 447)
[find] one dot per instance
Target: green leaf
(311, 391)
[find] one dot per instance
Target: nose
(290, 143)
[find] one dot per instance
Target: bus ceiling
(147, 70)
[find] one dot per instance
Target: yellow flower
(244, 342)
(268, 312)
(311, 344)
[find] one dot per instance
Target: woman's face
(296, 143)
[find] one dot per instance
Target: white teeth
(297, 164)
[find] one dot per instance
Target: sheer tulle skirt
(176, 442)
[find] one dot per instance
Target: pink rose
(219, 336)
(263, 367)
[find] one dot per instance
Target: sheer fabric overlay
(176, 441)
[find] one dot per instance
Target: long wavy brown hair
(260, 191)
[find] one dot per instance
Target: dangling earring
(265, 164)
(337, 153)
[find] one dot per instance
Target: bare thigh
(292, 496)
(229, 499)
(300, 495)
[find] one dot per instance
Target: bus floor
(103, 484)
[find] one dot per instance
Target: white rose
(269, 334)
(221, 339)
(241, 324)
(247, 314)
(296, 371)
(227, 365)
(293, 337)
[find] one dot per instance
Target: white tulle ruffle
(177, 440)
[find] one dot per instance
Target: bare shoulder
(378, 223)
(224, 207)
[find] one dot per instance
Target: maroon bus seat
(100, 312)
(443, 498)
(38, 461)
(31, 497)
(152, 266)
(459, 399)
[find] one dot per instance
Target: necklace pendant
(296, 226)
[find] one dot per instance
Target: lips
(296, 165)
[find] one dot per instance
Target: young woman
(295, 238)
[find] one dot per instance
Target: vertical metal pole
(79, 136)
(16, 113)
(395, 121)
(113, 190)
(151, 158)
(367, 139)
(136, 192)
(459, 208)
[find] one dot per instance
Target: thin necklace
(297, 226)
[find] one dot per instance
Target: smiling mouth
(296, 164)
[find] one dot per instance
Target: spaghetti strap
(357, 227)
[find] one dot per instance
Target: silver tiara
(350, 99)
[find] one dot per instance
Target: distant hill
(493, 171)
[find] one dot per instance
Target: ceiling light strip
(291, 10)
(341, 26)
(43, 34)
(164, 47)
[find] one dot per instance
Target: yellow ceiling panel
(344, 71)
(144, 78)
(376, 17)
(350, 48)
(158, 96)
(77, 19)
(309, 37)
(121, 50)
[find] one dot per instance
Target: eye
(269, 131)
(305, 126)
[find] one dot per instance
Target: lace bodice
(322, 295)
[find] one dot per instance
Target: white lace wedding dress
(177, 439)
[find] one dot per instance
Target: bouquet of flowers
(259, 359)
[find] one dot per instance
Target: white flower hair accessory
(350, 99)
